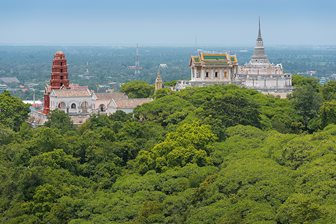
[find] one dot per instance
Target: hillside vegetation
(219, 154)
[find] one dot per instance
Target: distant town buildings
(3, 87)
(11, 84)
(9, 80)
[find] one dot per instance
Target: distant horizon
(161, 45)
(167, 23)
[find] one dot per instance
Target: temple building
(223, 68)
(208, 68)
(79, 101)
(262, 75)
(72, 101)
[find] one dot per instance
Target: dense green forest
(219, 154)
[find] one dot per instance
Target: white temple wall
(223, 73)
(68, 101)
(268, 83)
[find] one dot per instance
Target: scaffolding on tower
(136, 67)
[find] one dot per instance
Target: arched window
(102, 108)
(61, 105)
(73, 106)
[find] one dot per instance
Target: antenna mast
(137, 61)
(136, 67)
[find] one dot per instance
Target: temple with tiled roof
(259, 73)
(79, 102)
(210, 68)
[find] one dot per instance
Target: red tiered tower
(59, 72)
(59, 78)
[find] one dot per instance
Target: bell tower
(59, 78)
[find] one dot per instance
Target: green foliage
(306, 101)
(162, 92)
(166, 110)
(7, 135)
(120, 115)
(295, 153)
(13, 112)
(185, 145)
(329, 91)
(60, 120)
(170, 83)
(229, 110)
(299, 208)
(137, 89)
(299, 81)
(219, 154)
(328, 113)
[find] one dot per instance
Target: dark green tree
(166, 110)
(307, 101)
(299, 81)
(328, 113)
(229, 110)
(329, 90)
(60, 120)
(137, 89)
(299, 208)
(162, 92)
(13, 112)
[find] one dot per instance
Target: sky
(167, 22)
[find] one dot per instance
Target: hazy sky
(167, 22)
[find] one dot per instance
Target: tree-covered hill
(219, 154)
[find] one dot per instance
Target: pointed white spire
(259, 55)
(259, 32)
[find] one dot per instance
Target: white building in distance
(262, 75)
(259, 73)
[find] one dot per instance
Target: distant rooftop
(131, 103)
(109, 96)
(71, 93)
(214, 58)
(9, 80)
